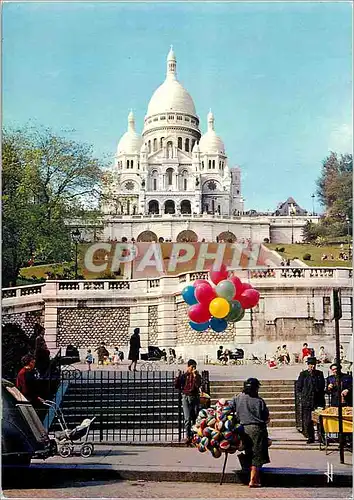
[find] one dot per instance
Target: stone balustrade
(309, 276)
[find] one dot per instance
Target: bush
(281, 249)
(306, 256)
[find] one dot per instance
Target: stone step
(261, 389)
(263, 382)
(282, 422)
(282, 401)
(262, 394)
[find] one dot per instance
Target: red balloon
(217, 276)
(198, 282)
(199, 313)
(249, 298)
(204, 293)
(238, 286)
(242, 288)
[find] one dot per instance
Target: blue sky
(278, 77)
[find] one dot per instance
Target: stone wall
(153, 323)
(26, 320)
(187, 336)
(88, 327)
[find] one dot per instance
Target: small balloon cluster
(213, 307)
(216, 431)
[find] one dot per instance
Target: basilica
(172, 168)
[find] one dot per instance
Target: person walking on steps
(189, 384)
(311, 386)
(134, 349)
(251, 411)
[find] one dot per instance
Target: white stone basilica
(172, 168)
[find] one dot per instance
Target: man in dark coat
(346, 388)
(311, 386)
(134, 349)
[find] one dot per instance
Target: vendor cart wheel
(65, 450)
(86, 450)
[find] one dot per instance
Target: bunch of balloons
(216, 431)
(213, 307)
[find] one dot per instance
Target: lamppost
(313, 203)
(292, 228)
(347, 220)
(76, 236)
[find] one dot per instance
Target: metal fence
(129, 407)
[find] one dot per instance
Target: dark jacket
(311, 386)
(101, 353)
(134, 347)
(346, 383)
(189, 383)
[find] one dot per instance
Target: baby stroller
(65, 439)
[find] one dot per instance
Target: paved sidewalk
(187, 464)
(221, 372)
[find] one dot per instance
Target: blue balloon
(199, 327)
(188, 295)
(218, 325)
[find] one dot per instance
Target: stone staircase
(278, 395)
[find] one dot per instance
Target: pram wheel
(86, 450)
(65, 450)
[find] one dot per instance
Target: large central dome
(171, 95)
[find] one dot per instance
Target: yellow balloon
(219, 307)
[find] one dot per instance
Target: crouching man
(189, 384)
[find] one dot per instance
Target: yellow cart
(329, 424)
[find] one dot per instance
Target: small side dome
(210, 142)
(131, 142)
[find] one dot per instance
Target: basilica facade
(172, 168)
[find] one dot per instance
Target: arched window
(154, 175)
(169, 149)
(149, 146)
(186, 145)
(131, 164)
(213, 163)
(128, 163)
(192, 146)
(209, 164)
(184, 180)
(202, 165)
(179, 142)
(138, 165)
(155, 144)
(169, 175)
(161, 142)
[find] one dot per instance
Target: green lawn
(299, 250)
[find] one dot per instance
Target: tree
(335, 186)
(47, 179)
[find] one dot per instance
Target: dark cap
(191, 362)
(252, 383)
(311, 361)
(339, 367)
(136, 331)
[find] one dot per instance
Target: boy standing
(189, 384)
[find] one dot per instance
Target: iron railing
(129, 407)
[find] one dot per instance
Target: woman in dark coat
(252, 412)
(134, 349)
